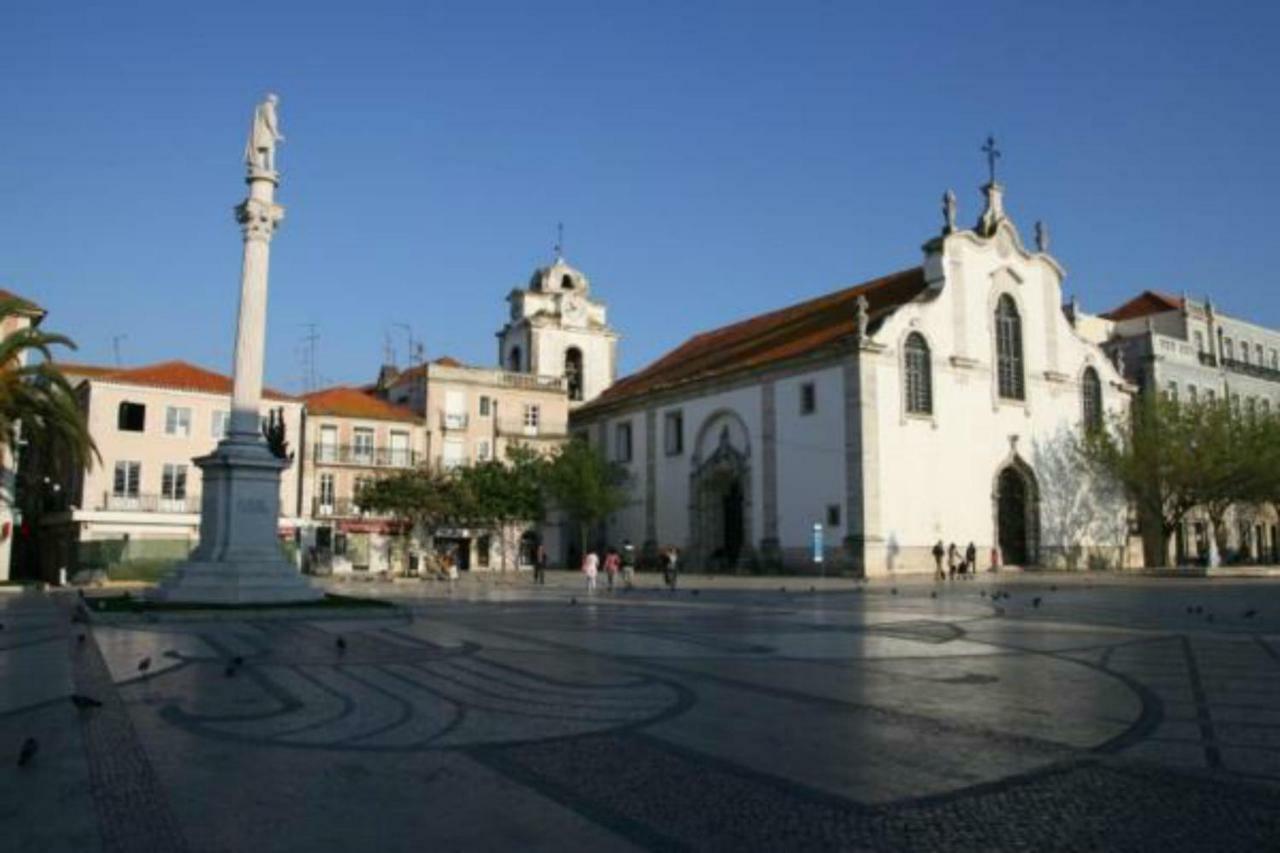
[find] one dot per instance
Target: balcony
(341, 508)
(149, 503)
(531, 382)
(453, 420)
(364, 456)
(1207, 359)
(1257, 371)
(517, 428)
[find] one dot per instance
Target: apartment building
(351, 435)
(1189, 350)
(143, 501)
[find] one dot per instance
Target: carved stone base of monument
(239, 559)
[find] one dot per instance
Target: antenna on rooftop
(115, 348)
(310, 378)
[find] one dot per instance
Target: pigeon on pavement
(30, 747)
(84, 702)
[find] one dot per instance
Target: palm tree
(36, 397)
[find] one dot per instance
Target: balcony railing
(340, 508)
(517, 428)
(453, 420)
(532, 381)
(1258, 371)
(149, 503)
(1207, 358)
(370, 457)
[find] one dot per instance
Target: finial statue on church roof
(948, 212)
(559, 241)
(1042, 236)
(862, 316)
(993, 154)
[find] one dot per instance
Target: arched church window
(573, 372)
(514, 360)
(919, 385)
(566, 282)
(1009, 350)
(1091, 398)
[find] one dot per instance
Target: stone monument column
(239, 559)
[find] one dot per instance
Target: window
(1235, 402)
(573, 372)
(1009, 350)
(532, 414)
(622, 442)
(1251, 406)
(127, 478)
(482, 450)
(514, 360)
(808, 399)
(362, 445)
(328, 449)
(455, 454)
(1244, 351)
(1261, 359)
(1228, 349)
(400, 454)
(132, 417)
(173, 482)
(177, 421)
(1266, 406)
(484, 407)
(325, 497)
(1210, 395)
(919, 384)
(358, 485)
(221, 423)
(1275, 360)
(1171, 392)
(833, 515)
(484, 544)
(1199, 342)
(1193, 394)
(1091, 398)
(673, 433)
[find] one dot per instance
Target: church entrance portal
(721, 507)
(1017, 516)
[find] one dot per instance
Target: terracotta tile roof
(1147, 302)
(344, 401)
(448, 361)
(73, 370)
(175, 375)
(24, 305)
(776, 336)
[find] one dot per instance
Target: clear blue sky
(709, 160)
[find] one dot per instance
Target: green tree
(584, 485)
(497, 494)
(420, 498)
(36, 399)
(1153, 451)
(1228, 448)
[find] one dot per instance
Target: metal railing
(453, 420)
(370, 457)
(1207, 358)
(1258, 371)
(149, 503)
(532, 381)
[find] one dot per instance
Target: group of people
(623, 562)
(965, 565)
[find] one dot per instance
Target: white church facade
(934, 404)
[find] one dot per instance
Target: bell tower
(556, 329)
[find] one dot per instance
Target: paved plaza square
(1079, 712)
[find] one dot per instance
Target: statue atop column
(949, 212)
(260, 150)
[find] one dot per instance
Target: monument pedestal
(239, 559)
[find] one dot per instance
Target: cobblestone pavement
(1032, 712)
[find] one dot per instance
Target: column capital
(258, 219)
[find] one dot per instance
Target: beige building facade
(143, 501)
(351, 436)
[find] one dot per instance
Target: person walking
(590, 566)
(938, 553)
(611, 564)
(953, 561)
(673, 566)
(971, 560)
(628, 564)
(540, 565)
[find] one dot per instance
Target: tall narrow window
(1009, 350)
(515, 361)
(325, 497)
(128, 476)
(919, 380)
(173, 482)
(622, 444)
(177, 421)
(573, 372)
(673, 433)
(362, 446)
(808, 399)
(1091, 398)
